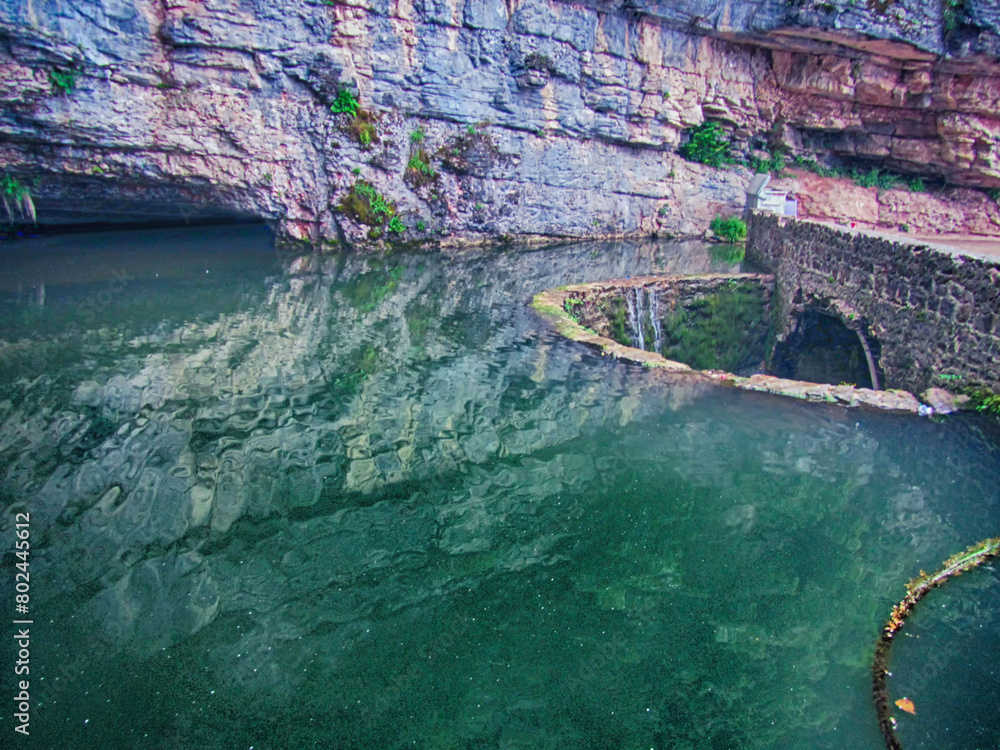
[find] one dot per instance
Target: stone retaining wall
(936, 313)
(708, 322)
(556, 303)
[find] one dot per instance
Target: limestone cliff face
(536, 117)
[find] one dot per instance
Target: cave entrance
(822, 349)
(72, 204)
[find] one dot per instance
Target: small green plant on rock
(708, 145)
(417, 136)
(570, 305)
(732, 230)
(366, 205)
(419, 165)
(396, 225)
(362, 127)
(985, 400)
(362, 123)
(419, 171)
(64, 81)
(16, 198)
(345, 103)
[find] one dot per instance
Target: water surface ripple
(375, 502)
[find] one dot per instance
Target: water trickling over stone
(654, 317)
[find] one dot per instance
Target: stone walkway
(955, 244)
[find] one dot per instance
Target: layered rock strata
(534, 118)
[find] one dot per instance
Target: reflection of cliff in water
(190, 406)
(376, 503)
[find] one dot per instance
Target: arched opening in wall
(822, 349)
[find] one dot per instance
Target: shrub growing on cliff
(64, 81)
(346, 103)
(708, 145)
(733, 229)
(952, 14)
(16, 199)
(811, 165)
(362, 127)
(984, 400)
(773, 164)
(875, 178)
(366, 205)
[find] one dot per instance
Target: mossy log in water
(916, 590)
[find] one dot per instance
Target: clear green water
(382, 506)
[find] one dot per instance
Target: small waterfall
(632, 318)
(638, 319)
(654, 318)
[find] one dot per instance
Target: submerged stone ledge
(552, 303)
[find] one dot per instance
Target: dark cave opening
(822, 349)
(75, 204)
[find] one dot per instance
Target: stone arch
(823, 348)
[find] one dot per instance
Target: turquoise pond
(375, 502)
